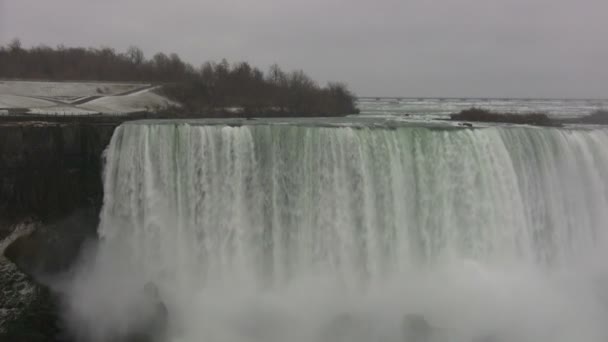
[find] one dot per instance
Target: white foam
(488, 231)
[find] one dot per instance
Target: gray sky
(501, 48)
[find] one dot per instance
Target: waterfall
(496, 231)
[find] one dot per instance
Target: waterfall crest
(497, 229)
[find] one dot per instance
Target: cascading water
(497, 231)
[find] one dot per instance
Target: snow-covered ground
(140, 101)
(14, 101)
(78, 98)
(62, 110)
(65, 89)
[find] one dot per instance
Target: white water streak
(497, 229)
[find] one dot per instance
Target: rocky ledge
(50, 195)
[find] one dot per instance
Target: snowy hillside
(65, 89)
(78, 98)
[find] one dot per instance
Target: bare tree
(208, 90)
(14, 45)
(136, 55)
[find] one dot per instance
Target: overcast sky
(494, 48)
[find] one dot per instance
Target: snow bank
(62, 110)
(14, 101)
(65, 90)
(57, 98)
(140, 101)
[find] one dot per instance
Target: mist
(235, 261)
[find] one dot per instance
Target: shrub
(483, 115)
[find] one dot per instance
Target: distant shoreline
(383, 98)
(599, 117)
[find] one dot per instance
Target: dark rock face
(50, 172)
(36, 320)
(28, 310)
(30, 258)
(51, 249)
(30, 264)
(49, 169)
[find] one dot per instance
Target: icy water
(423, 108)
(270, 230)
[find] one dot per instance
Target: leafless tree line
(210, 89)
(103, 64)
(217, 86)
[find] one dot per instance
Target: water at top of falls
(286, 225)
(430, 108)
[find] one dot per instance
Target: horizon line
(477, 98)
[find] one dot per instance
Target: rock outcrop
(49, 169)
(50, 178)
(51, 249)
(28, 310)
